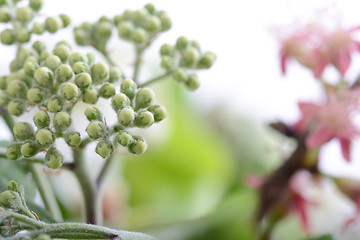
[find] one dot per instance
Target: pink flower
(323, 122)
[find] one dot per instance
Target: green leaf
(41, 212)
(324, 237)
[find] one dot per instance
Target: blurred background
(190, 184)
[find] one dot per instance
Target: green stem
(151, 81)
(111, 62)
(103, 171)
(88, 188)
(138, 60)
(8, 119)
(46, 192)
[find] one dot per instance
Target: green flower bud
(139, 36)
(30, 67)
(53, 24)
(104, 149)
(15, 65)
(90, 95)
(17, 88)
(63, 42)
(35, 95)
(144, 98)
(93, 113)
(4, 99)
(7, 37)
(192, 83)
(16, 107)
(104, 29)
(91, 58)
(24, 14)
(158, 111)
(181, 43)
(55, 104)
(41, 119)
(29, 149)
(144, 119)
(83, 80)
(45, 54)
(25, 53)
(69, 91)
(13, 151)
(128, 87)
(73, 139)
(80, 67)
(190, 56)
(62, 51)
(76, 57)
(107, 90)
(66, 20)
(5, 15)
(3, 2)
(166, 49)
(118, 19)
(3, 83)
(105, 19)
(52, 62)
(125, 29)
(115, 74)
(54, 159)
(11, 77)
(10, 199)
(45, 137)
(62, 121)
(119, 101)
(152, 24)
(126, 116)
(166, 62)
(138, 147)
(195, 44)
(82, 37)
(64, 73)
(99, 73)
(95, 129)
(165, 23)
(44, 77)
(23, 131)
(127, 14)
(15, 187)
(22, 76)
(139, 16)
(180, 75)
(125, 139)
(32, 59)
(207, 60)
(43, 237)
(150, 8)
(36, 4)
(38, 28)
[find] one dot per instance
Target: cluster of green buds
(23, 24)
(185, 56)
(134, 108)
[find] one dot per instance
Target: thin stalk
(138, 60)
(151, 81)
(103, 171)
(111, 62)
(8, 119)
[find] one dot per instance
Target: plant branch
(111, 62)
(139, 52)
(8, 119)
(103, 171)
(151, 81)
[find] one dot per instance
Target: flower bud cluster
(183, 56)
(22, 18)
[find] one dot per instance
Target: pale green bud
(82, 37)
(83, 80)
(195, 44)
(10, 199)
(139, 16)
(207, 60)
(66, 20)
(54, 159)
(15, 187)
(3, 83)
(95, 129)
(128, 87)
(23, 35)
(23, 131)
(63, 42)
(119, 101)
(99, 73)
(104, 148)
(22, 76)
(93, 113)
(107, 90)
(158, 111)
(126, 116)
(73, 139)
(5, 15)
(24, 14)
(80, 67)
(52, 62)
(125, 29)
(38, 28)
(144, 119)
(30, 67)
(11, 77)
(69, 91)
(166, 49)
(90, 95)
(44, 77)
(150, 8)
(45, 137)
(25, 53)
(165, 22)
(115, 74)
(7, 37)
(62, 121)
(55, 104)
(16, 107)
(4, 99)
(118, 19)
(139, 36)
(192, 83)
(127, 14)
(35, 95)
(62, 51)
(13, 151)
(104, 29)
(64, 73)
(180, 75)
(29, 149)
(43, 237)
(152, 24)
(182, 43)
(166, 62)
(45, 54)
(190, 56)
(53, 24)
(36, 4)
(41, 119)
(144, 97)
(125, 139)
(15, 65)
(91, 58)
(17, 89)
(138, 147)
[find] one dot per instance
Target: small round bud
(5, 15)
(15, 65)
(13, 151)
(63, 42)
(30, 67)
(69, 90)
(29, 149)
(158, 111)
(10, 199)
(54, 159)
(44, 137)
(16, 107)
(139, 16)
(165, 22)
(104, 148)
(41, 119)
(99, 72)
(107, 90)
(126, 116)
(125, 139)
(139, 36)
(127, 14)
(82, 37)
(181, 43)
(62, 121)
(43, 237)
(73, 139)
(118, 19)
(55, 104)
(105, 19)
(128, 87)
(52, 62)
(93, 113)
(207, 60)
(4, 99)
(17, 88)
(150, 8)
(195, 44)
(38, 28)
(115, 74)
(95, 129)
(66, 20)
(7, 37)
(3, 83)
(166, 62)
(103, 29)
(138, 147)
(192, 83)
(152, 24)
(45, 54)
(36, 4)
(190, 56)
(144, 119)
(25, 53)
(125, 29)
(90, 95)
(24, 14)
(83, 80)
(53, 24)
(80, 67)
(23, 131)
(22, 76)
(166, 49)
(144, 98)
(11, 77)
(44, 77)
(180, 75)
(119, 101)
(64, 73)
(91, 58)
(62, 51)
(35, 95)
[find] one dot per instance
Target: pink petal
(345, 148)
(320, 136)
(300, 206)
(283, 60)
(319, 68)
(342, 62)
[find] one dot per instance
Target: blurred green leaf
(325, 237)
(42, 213)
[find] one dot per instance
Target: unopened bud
(104, 148)
(54, 159)
(41, 119)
